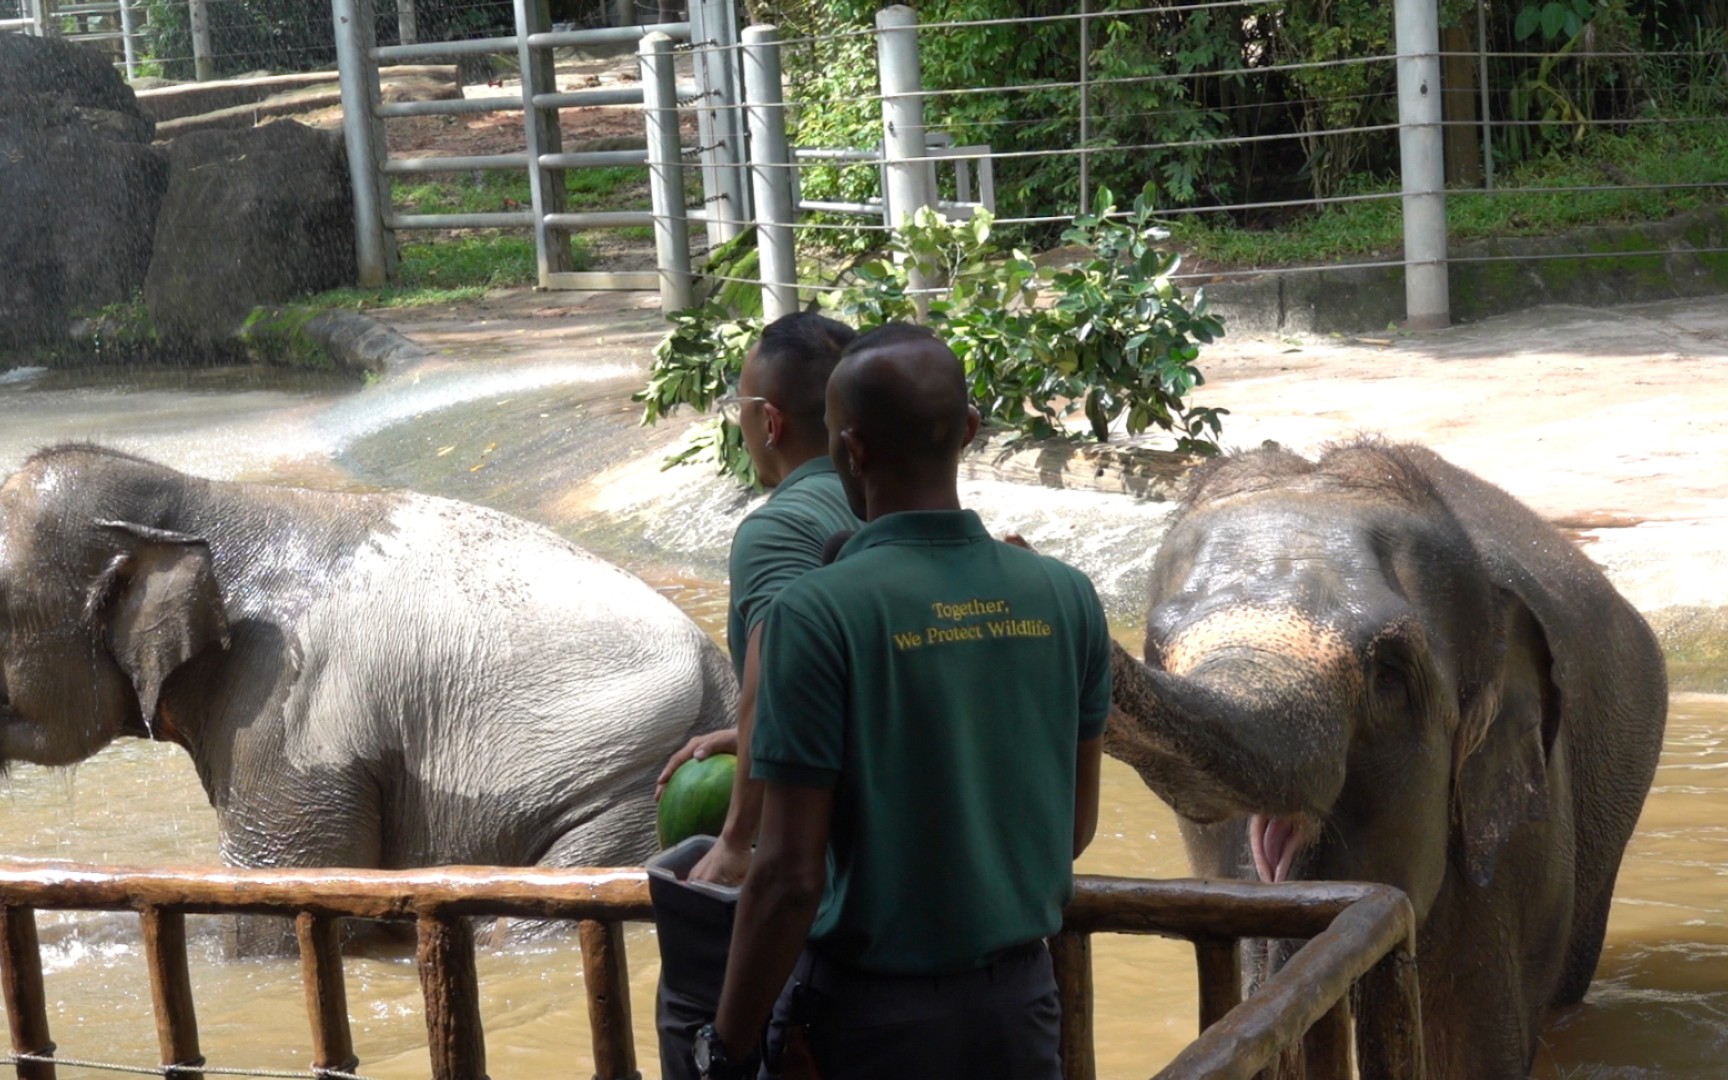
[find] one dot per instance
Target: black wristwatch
(711, 1060)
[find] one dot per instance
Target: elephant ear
(1505, 737)
(160, 605)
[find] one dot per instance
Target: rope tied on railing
(170, 1070)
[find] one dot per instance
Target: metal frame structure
(40, 18)
(358, 60)
(1360, 943)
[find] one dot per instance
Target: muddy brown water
(1659, 1007)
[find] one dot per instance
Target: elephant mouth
(1276, 842)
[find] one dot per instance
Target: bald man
(928, 737)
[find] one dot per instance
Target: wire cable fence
(1267, 155)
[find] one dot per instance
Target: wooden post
(607, 974)
(1071, 955)
(21, 982)
(1389, 1023)
(1326, 1047)
(326, 994)
(1220, 978)
(1458, 106)
(171, 990)
(451, 987)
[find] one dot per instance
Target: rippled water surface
(1659, 1007)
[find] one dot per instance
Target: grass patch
(1656, 154)
(618, 187)
(451, 270)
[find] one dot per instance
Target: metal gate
(712, 33)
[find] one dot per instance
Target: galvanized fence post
(713, 35)
(363, 134)
(1421, 144)
(127, 32)
(666, 172)
(770, 171)
(540, 126)
(407, 27)
(903, 149)
(203, 64)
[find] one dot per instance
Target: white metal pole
(544, 137)
(203, 66)
(714, 32)
(1482, 85)
(1085, 106)
(126, 34)
(352, 55)
(770, 171)
(407, 28)
(903, 146)
(666, 172)
(903, 149)
(1422, 157)
(39, 15)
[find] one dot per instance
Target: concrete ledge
(1357, 301)
(361, 343)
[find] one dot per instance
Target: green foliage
(1555, 18)
(693, 365)
(1158, 123)
(1110, 337)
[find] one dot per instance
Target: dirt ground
(1610, 422)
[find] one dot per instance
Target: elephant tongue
(1275, 842)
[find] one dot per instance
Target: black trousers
(998, 1022)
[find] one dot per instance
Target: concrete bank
(1593, 266)
(1610, 422)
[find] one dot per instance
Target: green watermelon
(695, 800)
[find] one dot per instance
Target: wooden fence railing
(1357, 933)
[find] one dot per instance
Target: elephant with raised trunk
(1378, 667)
(362, 680)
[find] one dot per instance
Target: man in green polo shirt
(928, 734)
(779, 406)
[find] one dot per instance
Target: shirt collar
(821, 463)
(918, 527)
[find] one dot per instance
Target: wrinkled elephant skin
(363, 680)
(1378, 667)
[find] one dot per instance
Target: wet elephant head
(95, 612)
(1333, 688)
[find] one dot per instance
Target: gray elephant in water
(1378, 667)
(362, 680)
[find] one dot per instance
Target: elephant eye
(1392, 675)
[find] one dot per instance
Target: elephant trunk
(1241, 736)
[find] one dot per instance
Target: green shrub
(1110, 337)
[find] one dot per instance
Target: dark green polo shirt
(780, 542)
(940, 682)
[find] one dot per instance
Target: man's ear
(973, 420)
(855, 454)
(773, 424)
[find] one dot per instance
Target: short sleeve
(768, 554)
(800, 727)
(1095, 669)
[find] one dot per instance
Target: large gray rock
(252, 217)
(82, 186)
